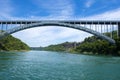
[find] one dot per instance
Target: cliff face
(11, 43)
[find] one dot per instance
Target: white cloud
(56, 9)
(44, 36)
(108, 15)
(5, 9)
(53, 6)
(89, 3)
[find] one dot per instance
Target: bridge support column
(119, 30)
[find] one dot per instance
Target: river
(46, 65)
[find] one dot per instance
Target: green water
(44, 65)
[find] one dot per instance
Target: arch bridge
(97, 28)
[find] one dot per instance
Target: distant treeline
(67, 46)
(91, 45)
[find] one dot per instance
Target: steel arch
(61, 24)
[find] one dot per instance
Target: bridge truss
(97, 28)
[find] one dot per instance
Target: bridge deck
(65, 21)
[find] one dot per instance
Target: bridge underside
(55, 23)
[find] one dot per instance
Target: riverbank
(15, 50)
(91, 46)
(83, 53)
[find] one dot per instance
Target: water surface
(45, 65)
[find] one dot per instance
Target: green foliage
(10, 43)
(98, 46)
(55, 48)
(67, 46)
(91, 45)
(117, 44)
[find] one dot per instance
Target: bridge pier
(119, 30)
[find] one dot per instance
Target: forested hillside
(94, 45)
(10, 43)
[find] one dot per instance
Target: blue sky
(57, 10)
